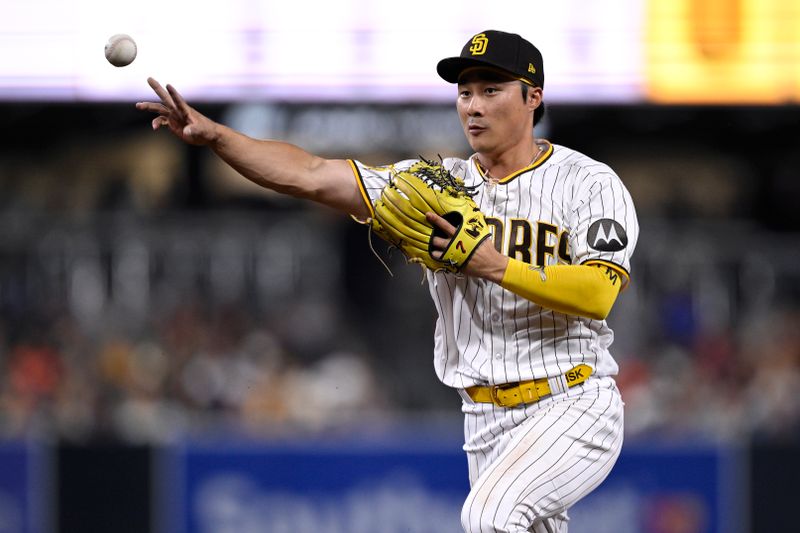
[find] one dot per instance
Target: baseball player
(521, 331)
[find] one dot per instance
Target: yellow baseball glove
(400, 216)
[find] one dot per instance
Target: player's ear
(533, 98)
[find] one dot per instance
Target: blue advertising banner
(320, 487)
(23, 499)
(668, 488)
(386, 487)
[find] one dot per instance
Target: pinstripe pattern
(529, 464)
(487, 335)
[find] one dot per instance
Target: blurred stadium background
(183, 352)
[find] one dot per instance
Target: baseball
(120, 50)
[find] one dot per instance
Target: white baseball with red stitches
(120, 50)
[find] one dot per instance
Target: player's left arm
(588, 290)
(603, 235)
(605, 230)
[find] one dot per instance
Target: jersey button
(496, 317)
(498, 356)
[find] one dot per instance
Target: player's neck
(498, 166)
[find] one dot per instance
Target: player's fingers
(180, 103)
(153, 107)
(440, 223)
(161, 92)
(160, 121)
(440, 243)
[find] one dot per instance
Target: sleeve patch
(607, 235)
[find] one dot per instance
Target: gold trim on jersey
(626, 277)
(363, 190)
(539, 162)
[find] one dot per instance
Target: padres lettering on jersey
(567, 209)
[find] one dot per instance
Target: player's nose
(475, 107)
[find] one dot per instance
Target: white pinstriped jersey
(564, 209)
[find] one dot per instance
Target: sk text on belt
(513, 394)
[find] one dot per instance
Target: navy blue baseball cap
(500, 50)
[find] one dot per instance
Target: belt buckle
(496, 389)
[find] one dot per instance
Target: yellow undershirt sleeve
(583, 290)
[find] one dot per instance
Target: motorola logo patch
(607, 235)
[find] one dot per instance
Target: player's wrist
(216, 137)
(487, 263)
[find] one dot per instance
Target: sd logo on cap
(498, 49)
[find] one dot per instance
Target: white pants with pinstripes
(529, 464)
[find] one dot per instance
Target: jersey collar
(539, 162)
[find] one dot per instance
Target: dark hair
(538, 114)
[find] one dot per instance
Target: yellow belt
(513, 394)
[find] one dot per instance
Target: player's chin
(474, 137)
(480, 143)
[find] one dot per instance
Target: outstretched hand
(184, 121)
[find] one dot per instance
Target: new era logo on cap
(498, 49)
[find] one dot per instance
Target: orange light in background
(716, 28)
(723, 51)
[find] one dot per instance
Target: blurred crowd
(193, 371)
(700, 354)
(140, 306)
(145, 331)
(738, 383)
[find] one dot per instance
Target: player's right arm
(276, 165)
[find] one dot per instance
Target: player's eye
(491, 90)
(464, 94)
